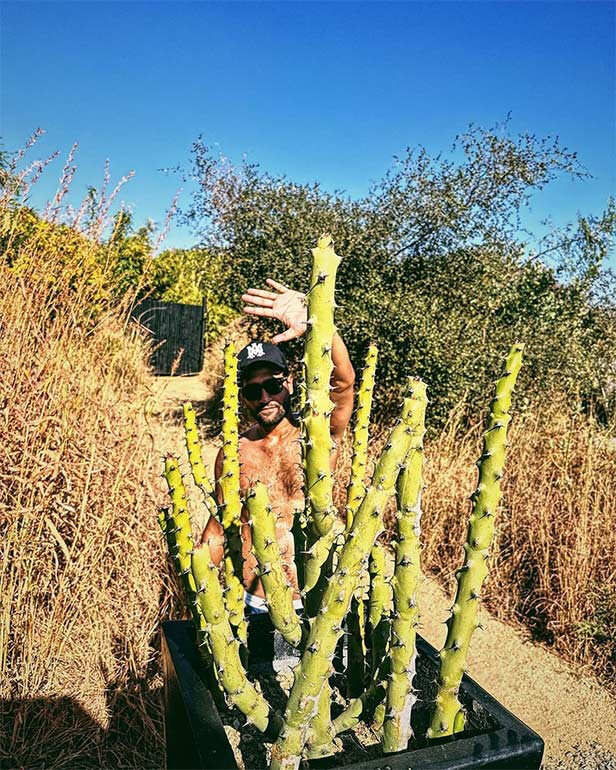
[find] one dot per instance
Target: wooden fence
(177, 331)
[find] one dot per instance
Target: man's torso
(279, 467)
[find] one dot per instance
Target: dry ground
(575, 716)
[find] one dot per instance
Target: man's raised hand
(285, 304)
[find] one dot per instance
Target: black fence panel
(176, 329)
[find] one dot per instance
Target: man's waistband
(257, 604)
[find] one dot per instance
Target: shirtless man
(269, 450)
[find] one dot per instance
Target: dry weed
(82, 581)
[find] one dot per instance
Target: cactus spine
(278, 592)
(448, 715)
(402, 650)
(326, 627)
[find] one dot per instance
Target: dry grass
(82, 579)
(552, 565)
(552, 568)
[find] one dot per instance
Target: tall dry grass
(552, 566)
(552, 569)
(82, 582)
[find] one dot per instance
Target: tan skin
(269, 450)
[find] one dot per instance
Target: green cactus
(318, 405)
(230, 491)
(380, 590)
(402, 650)
(225, 648)
(357, 489)
(326, 627)
(230, 477)
(448, 714)
(278, 592)
(178, 527)
(345, 570)
(193, 448)
(356, 621)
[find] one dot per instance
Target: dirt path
(573, 714)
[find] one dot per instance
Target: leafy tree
(436, 267)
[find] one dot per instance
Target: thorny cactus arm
(278, 592)
(178, 532)
(381, 568)
(318, 366)
(326, 628)
(380, 590)
(448, 715)
(357, 489)
(225, 648)
(178, 527)
(229, 480)
(316, 556)
(402, 650)
(356, 620)
(193, 447)
(229, 483)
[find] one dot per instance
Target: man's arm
(342, 381)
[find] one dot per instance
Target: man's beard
(273, 416)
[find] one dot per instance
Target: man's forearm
(343, 374)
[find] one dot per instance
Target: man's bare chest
(279, 468)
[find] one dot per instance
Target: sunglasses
(252, 391)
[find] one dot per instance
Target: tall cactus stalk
(225, 648)
(357, 489)
(356, 622)
(402, 649)
(278, 592)
(230, 491)
(193, 448)
(178, 525)
(448, 715)
(230, 478)
(316, 662)
(323, 525)
(318, 406)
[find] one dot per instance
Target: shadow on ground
(59, 733)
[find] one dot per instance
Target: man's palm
(286, 305)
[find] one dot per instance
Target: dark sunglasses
(252, 391)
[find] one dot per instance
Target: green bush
(434, 268)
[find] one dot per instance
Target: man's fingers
(256, 300)
(265, 311)
(290, 334)
(260, 293)
(278, 286)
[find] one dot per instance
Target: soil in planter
(359, 744)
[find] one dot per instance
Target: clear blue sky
(326, 91)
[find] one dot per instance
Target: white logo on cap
(255, 350)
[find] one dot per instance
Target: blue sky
(317, 91)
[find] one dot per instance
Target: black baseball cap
(258, 353)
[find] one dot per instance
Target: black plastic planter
(196, 737)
